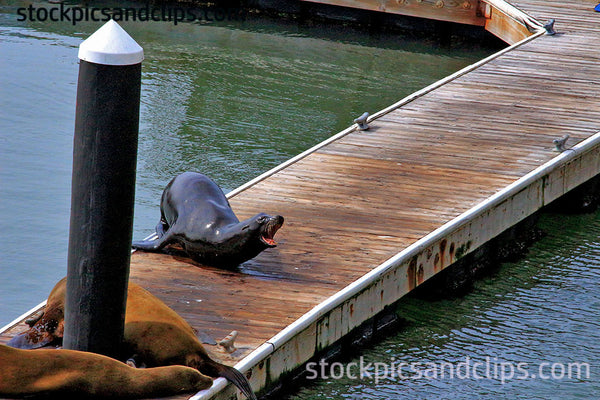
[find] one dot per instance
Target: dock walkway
(374, 202)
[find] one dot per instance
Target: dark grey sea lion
(196, 215)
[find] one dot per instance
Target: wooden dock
(372, 214)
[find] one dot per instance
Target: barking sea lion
(196, 215)
(77, 374)
(154, 335)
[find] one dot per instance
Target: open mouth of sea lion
(269, 229)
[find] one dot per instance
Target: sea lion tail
(237, 378)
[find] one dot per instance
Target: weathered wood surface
(504, 26)
(459, 11)
(360, 200)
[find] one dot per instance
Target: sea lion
(45, 328)
(44, 373)
(196, 215)
(155, 335)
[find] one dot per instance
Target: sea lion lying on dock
(27, 373)
(196, 215)
(155, 335)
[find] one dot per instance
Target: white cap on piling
(111, 45)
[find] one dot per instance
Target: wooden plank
(510, 28)
(360, 200)
(459, 11)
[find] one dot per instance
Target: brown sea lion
(44, 373)
(155, 335)
(195, 214)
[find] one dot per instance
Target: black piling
(103, 188)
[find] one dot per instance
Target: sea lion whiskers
(270, 226)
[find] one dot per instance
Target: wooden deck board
(360, 200)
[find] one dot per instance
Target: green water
(231, 100)
(235, 99)
(528, 325)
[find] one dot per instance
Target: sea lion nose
(279, 219)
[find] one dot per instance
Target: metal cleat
(362, 122)
(560, 143)
(227, 342)
(549, 27)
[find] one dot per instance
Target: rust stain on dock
(358, 201)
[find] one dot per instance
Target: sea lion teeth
(196, 214)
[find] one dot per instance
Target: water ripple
(542, 312)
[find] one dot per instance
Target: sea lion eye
(262, 219)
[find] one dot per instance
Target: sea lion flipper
(135, 361)
(28, 341)
(31, 321)
(20, 342)
(238, 379)
(153, 245)
(162, 227)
